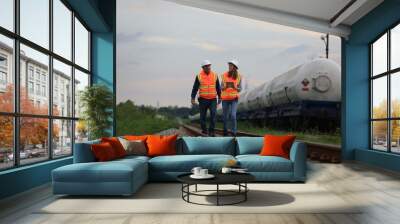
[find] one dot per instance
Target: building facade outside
(34, 91)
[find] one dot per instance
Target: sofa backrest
(190, 146)
(83, 152)
(249, 145)
(206, 145)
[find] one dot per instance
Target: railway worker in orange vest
(231, 86)
(207, 84)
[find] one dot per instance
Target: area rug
(166, 198)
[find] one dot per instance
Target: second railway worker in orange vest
(207, 84)
(231, 86)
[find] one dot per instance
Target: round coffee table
(238, 179)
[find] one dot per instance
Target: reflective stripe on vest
(207, 88)
(230, 93)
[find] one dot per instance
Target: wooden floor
(378, 189)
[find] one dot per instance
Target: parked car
(22, 155)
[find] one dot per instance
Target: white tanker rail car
(307, 96)
(303, 97)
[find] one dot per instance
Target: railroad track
(326, 153)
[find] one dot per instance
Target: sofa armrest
(298, 155)
(83, 152)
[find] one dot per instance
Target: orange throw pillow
(277, 145)
(135, 137)
(116, 145)
(103, 152)
(161, 145)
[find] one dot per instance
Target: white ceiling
(314, 15)
(319, 9)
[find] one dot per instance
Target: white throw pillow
(136, 147)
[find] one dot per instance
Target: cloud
(166, 40)
(160, 40)
(128, 37)
(208, 46)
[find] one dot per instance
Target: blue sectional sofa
(125, 176)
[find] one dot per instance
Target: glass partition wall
(385, 91)
(44, 64)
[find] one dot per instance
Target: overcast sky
(161, 44)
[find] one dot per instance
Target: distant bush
(138, 120)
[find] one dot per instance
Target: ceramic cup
(196, 171)
(203, 172)
(226, 170)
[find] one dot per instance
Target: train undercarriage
(296, 116)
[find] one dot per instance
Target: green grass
(138, 120)
(310, 136)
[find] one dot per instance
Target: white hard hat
(205, 62)
(234, 62)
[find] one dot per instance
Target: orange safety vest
(207, 89)
(230, 93)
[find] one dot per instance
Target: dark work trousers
(204, 105)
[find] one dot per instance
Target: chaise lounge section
(88, 177)
(125, 176)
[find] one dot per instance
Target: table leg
(196, 187)
(188, 190)
(217, 194)
(245, 193)
(182, 189)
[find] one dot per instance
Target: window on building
(43, 77)
(385, 94)
(57, 127)
(3, 78)
(37, 74)
(43, 90)
(30, 72)
(30, 87)
(37, 90)
(3, 61)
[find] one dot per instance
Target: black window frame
(16, 114)
(388, 74)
